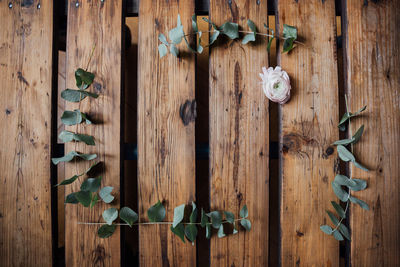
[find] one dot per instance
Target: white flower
(276, 84)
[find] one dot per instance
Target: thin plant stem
(148, 223)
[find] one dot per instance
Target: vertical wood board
(166, 147)
(100, 24)
(308, 128)
(239, 135)
(26, 42)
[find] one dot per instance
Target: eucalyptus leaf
(216, 218)
(326, 229)
(94, 200)
(208, 231)
(339, 209)
(252, 26)
(179, 213)
(71, 199)
(244, 212)
(345, 232)
(358, 134)
(250, 37)
(68, 181)
(179, 230)
(359, 202)
(246, 224)
(163, 39)
(174, 50)
(342, 121)
(194, 23)
(106, 230)
(110, 215)
(156, 213)
(91, 184)
(229, 216)
(288, 45)
(359, 111)
(67, 136)
(191, 232)
(176, 34)
(338, 236)
(230, 29)
(84, 197)
(128, 215)
(221, 231)
(339, 192)
(344, 141)
(72, 95)
(105, 194)
(214, 37)
(344, 180)
(345, 154)
(333, 218)
(204, 218)
(74, 117)
(211, 23)
(360, 166)
(162, 50)
(72, 155)
(289, 31)
(83, 78)
(193, 215)
(85, 118)
(359, 185)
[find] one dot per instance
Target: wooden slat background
(286, 209)
(166, 147)
(26, 42)
(239, 138)
(373, 79)
(95, 23)
(309, 127)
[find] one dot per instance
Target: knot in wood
(187, 112)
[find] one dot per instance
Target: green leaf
(230, 29)
(94, 200)
(216, 218)
(84, 197)
(179, 213)
(191, 232)
(176, 34)
(72, 155)
(333, 218)
(106, 230)
(210, 22)
(128, 215)
(345, 154)
(359, 185)
(174, 50)
(344, 180)
(326, 229)
(105, 194)
(179, 230)
(208, 231)
(269, 44)
(252, 26)
(246, 224)
(204, 219)
(342, 121)
(162, 50)
(156, 213)
(68, 181)
(338, 236)
(67, 136)
(74, 117)
(359, 111)
(163, 39)
(229, 216)
(199, 46)
(288, 45)
(110, 215)
(214, 37)
(344, 141)
(339, 192)
(85, 117)
(343, 229)
(244, 212)
(71, 199)
(91, 184)
(289, 31)
(338, 209)
(360, 166)
(194, 23)
(76, 95)
(193, 215)
(221, 231)
(250, 37)
(83, 78)
(361, 203)
(358, 134)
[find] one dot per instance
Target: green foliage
(244, 212)
(110, 215)
(106, 230)
(156, 213)
(67, 136)
(179, 230)
(216, 219)
(72, 95)
(74, 117)
(71, 155)
(105, 194)
(246, 224)
(179, 212)
(91, 184)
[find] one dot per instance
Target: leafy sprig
(229, 29)
(339, 230)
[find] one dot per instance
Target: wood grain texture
(166, 147)
(373, 79)
(26, 41)
(100, 24)
(239, 134)
(309, 126)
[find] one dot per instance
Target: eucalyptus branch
(150, 223)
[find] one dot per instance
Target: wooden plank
(26, 41)
(166, 147)
(373, 79)
(309, 126)
(95, 23)
(239, 135)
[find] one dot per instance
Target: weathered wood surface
(100, 24)
(373, 79)
(309, 127)
(239, 134)
(26, 41)
(166, 147)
